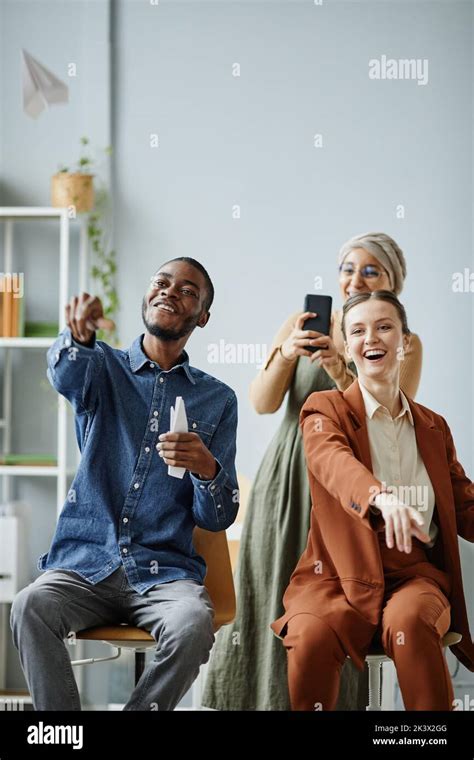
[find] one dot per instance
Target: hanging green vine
(103, 263)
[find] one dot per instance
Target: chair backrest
(219, 582)
(235, 531)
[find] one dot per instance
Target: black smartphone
(322, 323)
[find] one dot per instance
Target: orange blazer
(342, 537)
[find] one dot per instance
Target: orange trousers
(416, 615)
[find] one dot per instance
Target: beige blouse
(269, 387)
(396, 458)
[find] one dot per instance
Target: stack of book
(12, 315)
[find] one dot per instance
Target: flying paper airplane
(40, 87)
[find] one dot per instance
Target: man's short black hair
(209, 286)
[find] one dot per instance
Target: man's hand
(404, 521)
(187, 450)
(85, 315)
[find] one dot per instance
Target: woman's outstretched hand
(401, 521)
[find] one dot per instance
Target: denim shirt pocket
(204, 429)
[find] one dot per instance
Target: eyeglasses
(368, 272)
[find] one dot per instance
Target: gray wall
(248, 141)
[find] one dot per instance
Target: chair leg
(375, 702)
(139, 665)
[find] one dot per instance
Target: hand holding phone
(309, 333)
(321, 323)
(297, 343)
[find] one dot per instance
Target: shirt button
(136, 485)
(212, 488)
(194, 425)
(124, 550)
(125, 519)
(155, 414)
(147, 449)
(219, 506)
(161, 379)
(151, 365)
(202, 487)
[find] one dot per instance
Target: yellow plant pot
(73, 189)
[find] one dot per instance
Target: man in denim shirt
(123, 550)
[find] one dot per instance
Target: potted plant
(76, 189)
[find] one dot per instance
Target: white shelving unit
(9, 216)
(26, 342)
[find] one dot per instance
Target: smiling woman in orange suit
(389, 501)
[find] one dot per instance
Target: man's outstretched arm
(75, 360)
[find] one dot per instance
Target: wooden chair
(220, 586)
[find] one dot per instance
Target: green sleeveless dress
(247, 669)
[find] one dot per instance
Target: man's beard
(166, 333)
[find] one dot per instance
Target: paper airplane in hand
(178, 424)
(40, 86)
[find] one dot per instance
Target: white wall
(249, 141)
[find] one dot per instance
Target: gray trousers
(179, 615)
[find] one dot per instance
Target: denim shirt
(123, 507)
